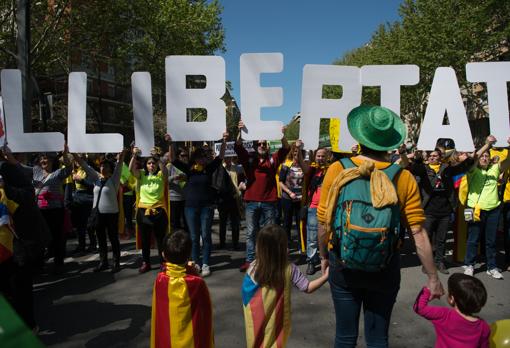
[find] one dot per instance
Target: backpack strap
(391, 171)
(347, 163)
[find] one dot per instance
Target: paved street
(86, 309)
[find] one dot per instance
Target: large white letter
(390, 78)
(496, 75)
(19, 141)
(142, 111)
(77, 137)
(445, 96)
(314, 107)
(253, 97)
(179, 98)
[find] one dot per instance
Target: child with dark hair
(266, 290)
(181, 306)
(457, 326)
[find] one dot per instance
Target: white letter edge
(141, 88)
(179, 98)
(496, 75)
(445, 96)
(19, 141)
(78, 139)
(253, 97)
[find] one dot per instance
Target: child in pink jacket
(457, 327)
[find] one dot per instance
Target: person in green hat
(378, 131)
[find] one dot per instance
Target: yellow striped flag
(266, 313)
(181, 310)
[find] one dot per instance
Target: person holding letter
(261, 194)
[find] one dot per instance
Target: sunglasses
(153, 163)
(262, 144)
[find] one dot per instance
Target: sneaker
(494, 273)
(310, 269)
(469, 270)
(206, 271)
(244, 267)
(146, 267)
(198, 269)
(441, 267)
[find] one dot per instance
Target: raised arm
(305, 167)
(491, 140)
(118, 167)
(223, 145)
(285, 143)
(91, 173)
(132, 163)
(171, 148)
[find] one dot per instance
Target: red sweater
(260, 174)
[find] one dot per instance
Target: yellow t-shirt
(151, 188)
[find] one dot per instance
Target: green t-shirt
(483, 187)
(151, 188)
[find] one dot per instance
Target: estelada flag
(266, 313)
(181, 310)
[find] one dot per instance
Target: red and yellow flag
(181, 310)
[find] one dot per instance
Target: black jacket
(427, 179)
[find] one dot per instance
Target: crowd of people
(347, 213)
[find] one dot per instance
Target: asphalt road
(86, 309)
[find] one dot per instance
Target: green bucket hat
(376, 127)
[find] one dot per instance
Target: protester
(372, 284)
(483, 209)
(266, 290)
(176, 182)
(199, 196)
(48, 182)
(25, 243)
(229, 202)
(82, 201)
(291, 183)
(312, 184)
(152, 205)
(187, 321)
(260, 195)
(457, 326)
(128, 184)
(436, 183)
(106, 187)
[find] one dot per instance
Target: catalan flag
(266, 313)
(181, 310)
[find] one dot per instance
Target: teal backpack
(366, 237)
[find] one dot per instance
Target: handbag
(93, 219)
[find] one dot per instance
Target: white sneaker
(469, 270)
(494, 273)
(206, 271)
(197, 268)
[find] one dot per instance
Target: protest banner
(445, 97)
(229, 150)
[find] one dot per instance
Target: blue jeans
(199, 220)
(377, 307)
(311, 235)
(506, 211)
(258, 214)
(489, 224)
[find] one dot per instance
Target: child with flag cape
(266, 290)
(181, 306)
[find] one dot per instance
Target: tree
(434, 33)
(123, 34)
